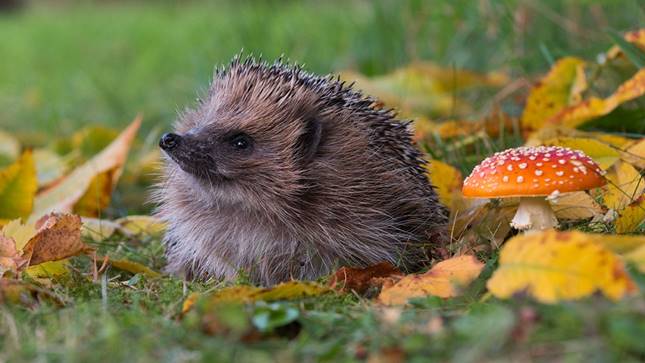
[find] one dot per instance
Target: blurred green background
(65, 64)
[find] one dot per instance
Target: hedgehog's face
(244, 156)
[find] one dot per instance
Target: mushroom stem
(534, 214)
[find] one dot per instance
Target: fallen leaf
(620, 244)
(550, 132)
(553, 266)
(625, 185)
(98, 229)
(58, 236)
(98, 194)
(574, 206)
(19, 233)
(424, 88)
(18, 186)
(9, 148)
(562, 86)
(48, 269)
(447, 181)
(65, 194)
(440, 281)
(49, 166)
(133, 267)
(142, 225)
(361, 279)
(635, 154)
(245, 294)
(631, 217)
(637, 257)
(25, 293)
(594, 107)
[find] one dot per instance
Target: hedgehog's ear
(309, 140)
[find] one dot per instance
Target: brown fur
(331, 179)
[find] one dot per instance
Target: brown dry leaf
(58, 237)
(561, 87)
(18, 185)
(361, 279)
(631, 217)
(25, 293)
(576, 205)
(625, 185)
(594, 107)
(64, 195)
(442, 280)
(553, 266)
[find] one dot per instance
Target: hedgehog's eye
(241, 141)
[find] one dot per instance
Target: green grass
(66, 66)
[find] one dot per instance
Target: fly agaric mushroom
(532, 174)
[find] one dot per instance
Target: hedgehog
(280, 174)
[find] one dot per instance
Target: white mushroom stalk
(534, 213)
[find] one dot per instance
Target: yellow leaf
(134, 267)
(625, 185)
(550, 132)
(553, 266)
(245, 294)
(64, 195)
(631, 217)
(142, 225)
(49, 166)
(48, 269)
(9, 148)
(603, 154)
(561, 87)
(620, 244)
(635, 154)
(17, 188)
(98, 194)
(424, 88)
(98, 229)
(637, 37)
(20, 233)
(594, 107)
(439, 281)
(637, 257)
(446, 179)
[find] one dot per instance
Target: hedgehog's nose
(169, 141)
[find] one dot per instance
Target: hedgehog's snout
(169, 141)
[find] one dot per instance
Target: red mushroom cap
(533, 171)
